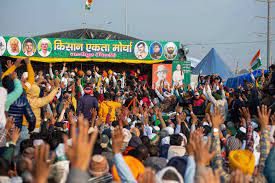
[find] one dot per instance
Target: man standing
(108, 107)
(87, 102)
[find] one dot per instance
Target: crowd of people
(104, 126)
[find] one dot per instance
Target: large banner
(161, 75)
(132, 51)
(181, 72)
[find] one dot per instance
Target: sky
(201, 24)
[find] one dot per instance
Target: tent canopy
(88, 34)
(239, 80)
(213, 64)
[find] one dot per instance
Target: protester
(106, 126)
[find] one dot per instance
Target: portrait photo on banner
(29, 47)
(141, 50)
(14, 46)
(178, 73)
(162, 75)
(44, 47)
(3, 45)
(156, 50)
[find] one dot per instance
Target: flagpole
(126, 17)
(268, 33)
(84, 25)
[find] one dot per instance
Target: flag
(88, 4)
(256, 62)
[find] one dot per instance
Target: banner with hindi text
(59, 49)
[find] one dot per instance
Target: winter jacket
(19, 108)
(104, 109)
(3, 94)
(36, 102)
(86, 103)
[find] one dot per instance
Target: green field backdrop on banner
(144, 51)
(181, 72)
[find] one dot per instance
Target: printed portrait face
(156, 50)
(29, 47)
(44, 47)
(3, 45)
(14, 46)
(170, 51)
(141, 50)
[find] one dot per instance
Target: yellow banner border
(54, 60)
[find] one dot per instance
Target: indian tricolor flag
(88, 4)
(256, 62)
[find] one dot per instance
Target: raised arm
(159, 95)
(217, 163)
(51, 70)
(12, 68)
(15, 94)
(249, 131)
(123, 170)
(210, 97)
(45, 100)
(123, 80)
(63, 70)
(264, 116)
(31, 74)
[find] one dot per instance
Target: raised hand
(93, 112)
(27, 61)
(51, 65)
(15, 135)
(208, 175)
(144, 87)
(64, 64)
(245, 113)
(9, 64)
(199, 131)
(18, 62)
(66, 105)
(201, 151)
(264, 115)
(41, 169)
(82, 145)
(191, 144)
(239, 177)
(194, 118)
(117, 139)
(217, 118)
(149, 176)
(9, 123)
